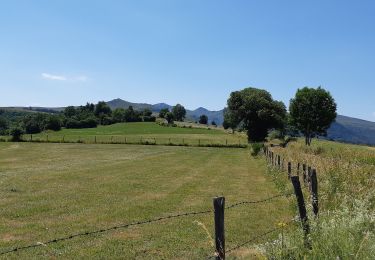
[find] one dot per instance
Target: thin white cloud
(53, 77)
(80, 78)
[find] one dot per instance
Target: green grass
(51, 190)
(346, 181)
(141, 133)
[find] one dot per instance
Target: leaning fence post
(289, 170)
(301, 207)
(219, 204)
(314, 192)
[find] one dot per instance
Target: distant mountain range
(344, 129)
(193, 115)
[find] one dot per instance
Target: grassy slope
(345, 228)
(134, 131)
(53, 190)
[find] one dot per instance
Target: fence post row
(301, 207)
(219, 204)
(314, 191)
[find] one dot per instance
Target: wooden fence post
(308, 177)
(125, 139)
(279, 161)
(219, 204)
(47, 138)
(154, 140)
(111, 138)
(63, 138)
(31, 137)
(301, 207)
(289, 170)
(304, 173)
(314, 192)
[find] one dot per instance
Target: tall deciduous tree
(256, 111)
(203, 119)
(312, 111)
(163, 112)
(169, 117)
(179, 112)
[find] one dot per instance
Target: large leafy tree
(203, 119)
(163, 112)
(312, 111)
(179, 112)
(256, 111)
(102, 109)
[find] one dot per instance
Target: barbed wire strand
(105, 230)
(257, 201)
(136, 224)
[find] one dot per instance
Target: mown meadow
(143, 132)
(52, 190)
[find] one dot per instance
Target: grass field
(53, 190)
(144, 132)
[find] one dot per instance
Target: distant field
(142, 132)
(51, 190)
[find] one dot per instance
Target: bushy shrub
(149, 119)
(85, 123)
(16, 134)
(106, 120)
(52, 123)
(276, 134)
(256, 148)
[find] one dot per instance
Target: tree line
(87, 116)
(311, 113)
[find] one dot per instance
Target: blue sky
(193, 52)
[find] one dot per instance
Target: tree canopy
(163, 112)
(256, 111)
(179, 112)
(203, 119)
(312, 111)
